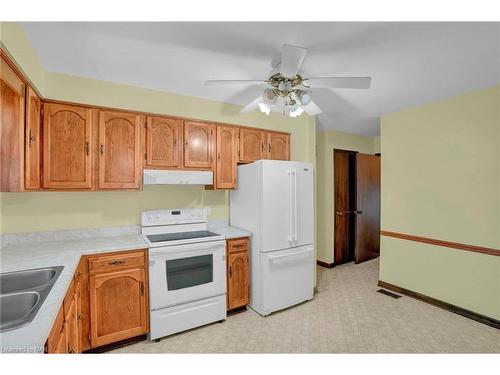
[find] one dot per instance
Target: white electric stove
(187, 270)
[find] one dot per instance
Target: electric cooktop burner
(180, 236)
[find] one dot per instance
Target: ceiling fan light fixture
(304, 96)
(296, 112)
(270, 97)
(264, 108)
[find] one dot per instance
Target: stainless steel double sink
(22, 294)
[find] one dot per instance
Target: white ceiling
(410, 63)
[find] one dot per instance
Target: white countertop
(67, 253)
(35, 251)
(224, 229)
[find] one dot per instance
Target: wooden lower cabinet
(118, 306)
(103, 306)
(237, 273)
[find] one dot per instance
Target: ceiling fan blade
(291, 59)
(252, 106)
(312, 109)
(228, 82)
(338, 82)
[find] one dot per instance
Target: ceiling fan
(288, 91)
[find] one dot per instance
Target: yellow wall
(15, 41)
(441, 179)
(327, 141)
(51, 210)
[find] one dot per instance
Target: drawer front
(237, 245)
(112, 262)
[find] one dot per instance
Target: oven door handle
(170, 250)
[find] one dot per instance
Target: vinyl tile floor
(347, 315)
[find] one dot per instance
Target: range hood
(181, 177)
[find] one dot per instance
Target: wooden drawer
(118, 261)
(237, 245)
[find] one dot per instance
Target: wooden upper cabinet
(163, 142)
(120, 163)
(199, 144)
(118, 306)
(227, 152)
(278, 146)
(67, 141)
(12, 101)
(252, 145)
(33, 149)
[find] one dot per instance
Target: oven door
(184, 273)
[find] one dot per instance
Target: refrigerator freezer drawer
(287, 278)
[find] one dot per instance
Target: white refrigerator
(274, 201)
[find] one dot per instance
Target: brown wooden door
(199, 144)
(344, 206)
(118, 306)
(237, 282)
(163, 142)
(368, 207)
(32, 155)
(12, 100)
(66, 147)
(71, 326)
(120, 163)
(252, 145)
(227, 150)
(278, 146)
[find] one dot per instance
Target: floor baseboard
(492, 322)
(324, 264)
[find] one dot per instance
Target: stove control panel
(173, 216)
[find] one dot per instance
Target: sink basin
(15, 309)
(28, 279)
(22, 295)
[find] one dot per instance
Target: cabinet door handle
(31, 139)
(269, 147)
(238, 245)
(71, 351)
(230, 272)
(101, 149)
(116, 262)
(142, 288)
(87, 148)
(80, 316)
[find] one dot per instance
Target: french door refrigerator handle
(295, 219)
(289, 255)
(290, 203)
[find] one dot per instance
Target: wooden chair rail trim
(452, 245)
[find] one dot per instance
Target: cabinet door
(61, 346)
(71, 326)
(66, 147)
(32, 155)
(198, 144)
(118, 306)
(237, 280)
(164, 142)
(278, 146)
(252, 144)
(120, 164)
(12, 99)
(227, 145)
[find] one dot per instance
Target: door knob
(358, 212)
